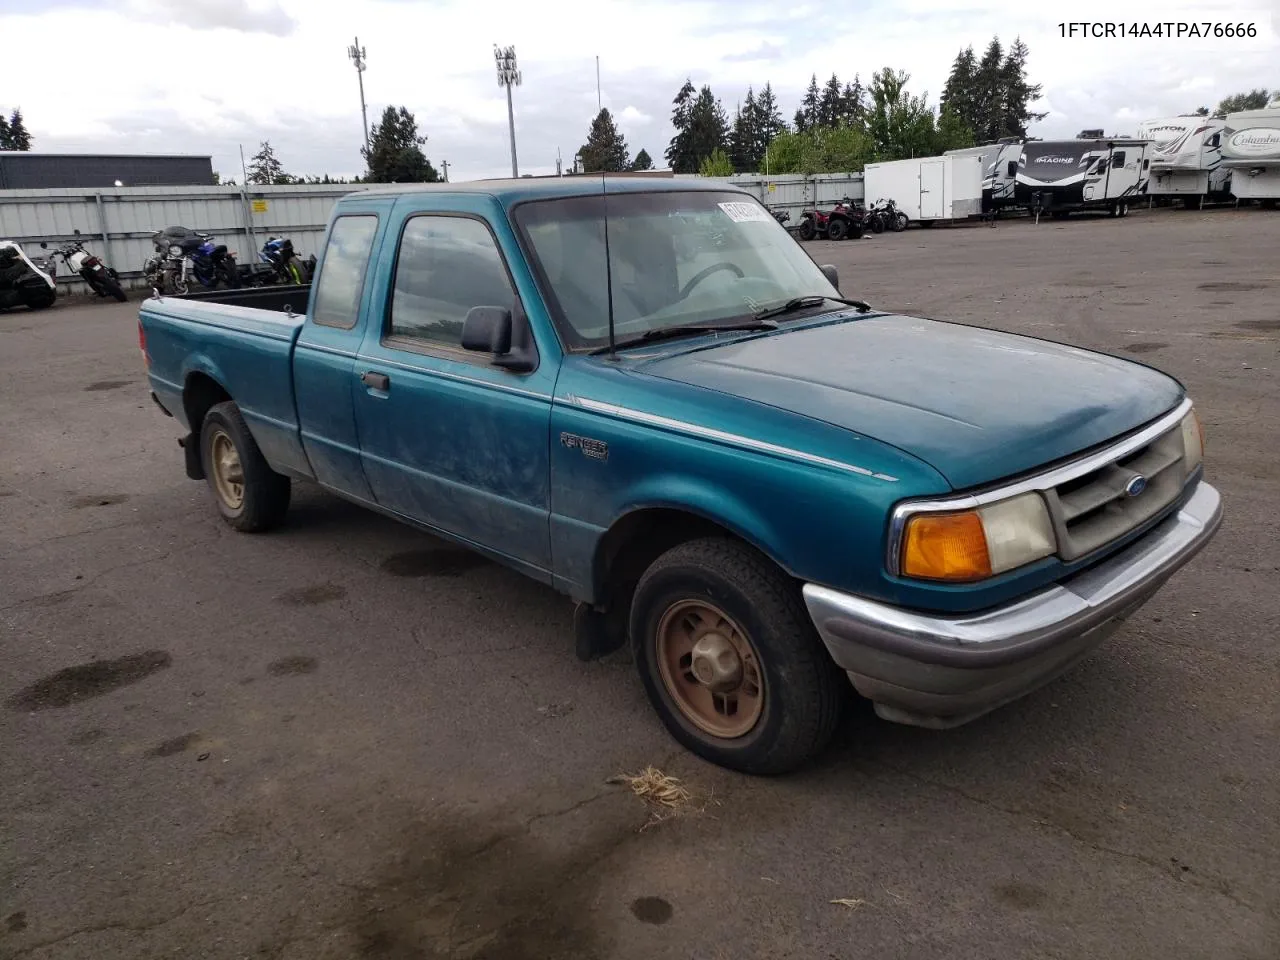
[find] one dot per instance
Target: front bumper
(943, 671)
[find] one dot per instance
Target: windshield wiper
(691, 330)
(812, 300)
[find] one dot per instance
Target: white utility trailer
(927, 189)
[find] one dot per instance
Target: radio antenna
(608, 261)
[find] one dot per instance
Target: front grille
(1099, 507)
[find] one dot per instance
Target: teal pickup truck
(651, 399)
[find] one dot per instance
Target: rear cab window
(336, 302)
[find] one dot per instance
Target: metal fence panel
(117, 224)
(796, 193)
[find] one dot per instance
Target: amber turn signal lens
(946, 546)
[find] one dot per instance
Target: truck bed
(218, 344)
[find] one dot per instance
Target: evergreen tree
(642, 161)
(769, 119)
(394, 154)
(266, 168)
(606, 148)
(799, 122)
(959, 93)
(809, 106)
(988, 94)
(829, 103)
(1253, 100)
(1200, 112)
(745, 137)
(13, 132)
(680, 155)
(708, 127)
(853, 104)
(1016, 93)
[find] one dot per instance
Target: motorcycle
(278, 252)
(103, 280)
(181, 254)
(23, 282)
(888, 217)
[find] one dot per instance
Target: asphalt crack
(1215, 884)
(125, 926)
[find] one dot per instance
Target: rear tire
(250, 495)
(837, 228)
(719, 609)
(877, 224)
(296, 272)
(806, 229)
(111, 286)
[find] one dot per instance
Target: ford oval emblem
(1135, 486)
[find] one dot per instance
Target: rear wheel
(111, 287)
(807, 230)
(877, 224)
(295, 272)
(837, 228)
(250, 495)
(730, 660)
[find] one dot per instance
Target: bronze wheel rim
(710, 669)
(228, 473)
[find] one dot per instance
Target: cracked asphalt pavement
(346, 739)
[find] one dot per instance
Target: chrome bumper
(943, 671)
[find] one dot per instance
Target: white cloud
(173, 77)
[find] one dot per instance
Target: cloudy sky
(204, 76)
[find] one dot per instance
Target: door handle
(379, 381)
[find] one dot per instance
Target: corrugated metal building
(38, 171)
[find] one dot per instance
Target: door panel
(326, 349)
(445, 437)
(932, 191)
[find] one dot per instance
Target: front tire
(837, 229)
(250, 495)
(900, 223)
(730, 660)
(807, 230)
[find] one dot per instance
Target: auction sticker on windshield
(740, 212)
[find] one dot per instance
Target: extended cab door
(326, 349)
(447, 438)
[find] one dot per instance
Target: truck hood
(977, 405)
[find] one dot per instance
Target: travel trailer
(1251, 151)
(927, 189)
(1186, 159)
(999, 170)
(1059, 176)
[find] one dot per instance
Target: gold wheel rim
(710, 669)
(228, 473)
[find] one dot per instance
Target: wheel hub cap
(716, 663)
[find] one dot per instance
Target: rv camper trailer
(999, 170)
(1186, 159)
(1059, 176)
(927, 189)
(1251, 151)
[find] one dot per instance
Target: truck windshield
(677, 258)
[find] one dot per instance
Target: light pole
(509, 76)
(358, 56)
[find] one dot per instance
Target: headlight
(1192, 440)
(975, 544)
(175, 250)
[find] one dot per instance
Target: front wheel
(807, 230)
(899, 223)
(877, 224)
(837, 228)
(295, 273)
(730, 660)
(250, 495)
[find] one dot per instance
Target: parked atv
(839, 223)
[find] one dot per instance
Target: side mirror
(832, 275)
(487, 330)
